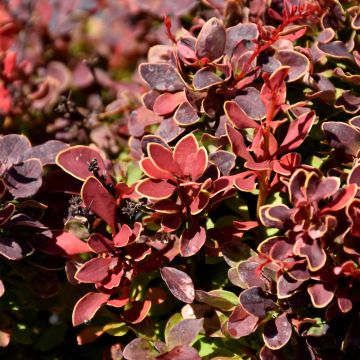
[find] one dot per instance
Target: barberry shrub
(203, 203)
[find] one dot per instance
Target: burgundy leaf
(298, 63)
(192, 240)
(155, 189)
(98, 199)
(180, 353)
(224, 161)
(297, 132)
(286, 286)
(179, 283)
(234, 34)
(241, 323)
(6, 212)
(277, 332)
(76, 160)
(137, 312)
(166, 103)
(65, 244)
(94, 270)
(249, 99)
(87, 306)
(274, 215)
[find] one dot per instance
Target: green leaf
(116, 329)
(133, 173)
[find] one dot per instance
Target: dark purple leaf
(12, 149)
(46, 152)
(348, 102)
(179, 283)
(239, 32)
(161, 77)
(211, 40)
(277, 332)
(24, 179)
(336, 49)
(206, 77)
(298, 63)
(321, 294)
(286, 286)
(186, 115)
(256, 302)
(224, 161)
(250, 101)
(14, 250)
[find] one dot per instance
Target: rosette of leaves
(191, 80)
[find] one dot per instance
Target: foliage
(203, 203)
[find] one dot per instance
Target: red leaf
(65, 244)
(192, 240)
(123, 236)
(76, 159)
(94, 270)
(238, 117)
(137, 312)
(297, 132)
(179, 283)
(87, 306)
(98, 199)
(155, 189)
(180, 353)
(166, 103)
(150, 169)
(237, 142)
(184, 153)
(241, 323)
(255, 302)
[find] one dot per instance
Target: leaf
(14, 250)
(192, 240)
(297, 132)
(220, 299)
(166, 104)
(255, 302)
(65, 244)
(116, 329)
(161, 77)
(180, 353)
(241, 323)
(94, 270)
(184, 332)
(342, 136)
(12, 149)
(87, 306)
(211, 40)
(138, 311)
(179, 284)
(139, 349)
(24, 179)
(205, 78)
(277, 332)
(186, 115)
(155, 189)
(46, 152)
(98, 199)
(75, 160)
(298, 63)
(321, 294)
